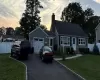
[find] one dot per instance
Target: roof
(51, 34)
(97, 26)
(65, 28)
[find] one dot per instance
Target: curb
(23, 64)
(70, 70)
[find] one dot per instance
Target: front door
(74, 43)
(37, 44)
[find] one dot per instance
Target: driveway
(37, 70)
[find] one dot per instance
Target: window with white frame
(81, 41)
(50, 42)
(65, 40)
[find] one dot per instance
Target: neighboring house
(97, 31)
(60, 34)
(3, 30)
(13, 38)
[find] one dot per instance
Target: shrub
(58, 52)
(70, 51)
(67, 50)
(95, 49)
(84, 50)
(55, 47)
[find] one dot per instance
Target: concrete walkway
(37, 70)
(76, 56)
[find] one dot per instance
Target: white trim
(36, 29)
(57, 37)
(67, 41)
(97, 26)
(23, 64)
(70, 70)
(33, 30)
(49, 42)
(75, 40)
(82, 39)
(73, 35)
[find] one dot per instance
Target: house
(97, 31)
(12, 38)
(60, 34)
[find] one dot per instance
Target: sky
(11, 10)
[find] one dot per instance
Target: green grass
(11, 69)
(87, 66)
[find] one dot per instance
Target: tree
(88, 14)
(73, 13)
(91, 24)
(18, 31)
(9, 31)
(43, 27)
(85, 18)
(30, 19)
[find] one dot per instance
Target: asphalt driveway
(37, 70)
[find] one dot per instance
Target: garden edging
(70, 70)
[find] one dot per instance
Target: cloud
(11, 12)
(98, 1)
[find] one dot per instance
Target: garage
(39, 38)
(37, 44)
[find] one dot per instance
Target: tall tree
(30, 19)
(43, 27)
(9, 31)
(91, 24)
(73, 13)
(18, 31)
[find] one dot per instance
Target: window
(81, 41)
(65, 40)
(50, 42)
(35, 39)
(74, 41)
(40, 39)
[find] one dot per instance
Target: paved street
(37, 70)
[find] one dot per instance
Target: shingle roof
(69, 28)
(50, 33)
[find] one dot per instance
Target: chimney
(53, 18)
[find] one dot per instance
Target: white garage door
(37, 44)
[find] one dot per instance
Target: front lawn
(11, 69)
(87, 66)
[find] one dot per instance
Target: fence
(5, 47)
(90, 46)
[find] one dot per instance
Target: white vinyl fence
(5, 47)
(90, 46)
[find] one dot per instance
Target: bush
(84, 50)
(55, 47)
(95, 49)
(57, 52)
(70, 51)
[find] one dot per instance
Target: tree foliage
(30, 19)
(85, 18)
(43, 27)
(18, 31)
(9, 31)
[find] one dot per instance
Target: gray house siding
(82, 46)
(98, 33)
(39, 34)
(77, 45)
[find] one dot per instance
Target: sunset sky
(11, 10)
